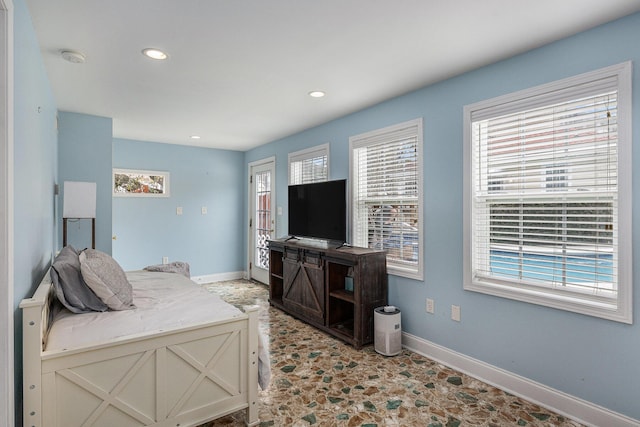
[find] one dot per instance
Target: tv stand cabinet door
(303, 290)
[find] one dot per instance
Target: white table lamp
(79, 203)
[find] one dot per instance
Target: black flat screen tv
(319, 210)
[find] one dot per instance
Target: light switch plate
(430, 306)
(455, 313)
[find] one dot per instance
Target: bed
(137, 367)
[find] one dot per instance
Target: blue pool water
(570, 269)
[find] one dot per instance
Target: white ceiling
(239, 71)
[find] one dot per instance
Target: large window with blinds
(386, 195)
(548, 195)
(310, 165)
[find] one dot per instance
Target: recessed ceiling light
(154, 53)
(316, 94)
(72, 56)
(195, 136)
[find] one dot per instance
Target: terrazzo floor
(318, 380)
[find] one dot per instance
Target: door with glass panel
(262, 218)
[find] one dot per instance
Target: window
(310, 165)
(548, 195)
(386, 195)
(139, 183)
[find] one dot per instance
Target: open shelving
(276, 277)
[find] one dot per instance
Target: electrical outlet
(165, 260)
(430, 306)
(203, 210)
(455, 313)
(179, 210)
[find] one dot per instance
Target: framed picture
(140, 183)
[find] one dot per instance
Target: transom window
(310, 165)
(548, 176)
(140, 183)
(386, 195)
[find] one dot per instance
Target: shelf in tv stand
(344, 330)
(343, 295)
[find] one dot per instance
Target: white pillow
(106, 279)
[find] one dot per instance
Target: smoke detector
(72, 56)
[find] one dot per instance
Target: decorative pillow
(107, 279)
(70, 288)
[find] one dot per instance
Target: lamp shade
(79, 200)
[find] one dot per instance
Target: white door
(261, 217)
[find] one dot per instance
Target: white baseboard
(219, 277)
(557, 401)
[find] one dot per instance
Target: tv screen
(319, 210)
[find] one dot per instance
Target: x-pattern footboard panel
(112, 397)
(205, 372)
(182, 379)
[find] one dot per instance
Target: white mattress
(164, 301)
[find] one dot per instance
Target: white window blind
(387, 195)
(311, 165)
(545, 195)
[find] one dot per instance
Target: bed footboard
(176, 378)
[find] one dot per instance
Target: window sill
(602, 308)
(404, 272)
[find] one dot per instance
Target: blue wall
(591, 358)
(84, 154)
(35, 146)
(148, 229)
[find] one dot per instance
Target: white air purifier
(387, 330)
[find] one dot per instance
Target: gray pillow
(70, 288)
(106, 278)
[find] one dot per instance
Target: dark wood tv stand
(333, 289)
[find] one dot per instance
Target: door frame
(7, 382)
(250, 243)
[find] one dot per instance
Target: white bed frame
(182, 377)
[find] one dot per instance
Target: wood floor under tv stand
(307, 280)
